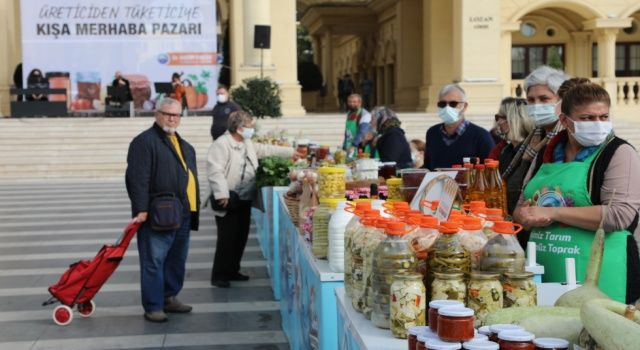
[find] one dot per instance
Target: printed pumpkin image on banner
(196, 89)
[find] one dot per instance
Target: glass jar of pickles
(392, 257)
(320, 233)
(331, 182)
(447, 255)
(359, 240)
(362, 209)
(371, 243)
(519, 289)
(448, 285)
(503, 253)
(394, 193)
(407, 303)
(484, 294)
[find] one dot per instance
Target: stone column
(409, 54)
(11, 52)
(581, 56)
(607, 61)
(506, 34)
(330, 98)
(256, 13)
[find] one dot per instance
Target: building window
(594, 60)
(525, 58)
(628, 59)
(528, 29)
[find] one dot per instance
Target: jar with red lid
(551, 344)
(413, 333)
(433, 311)
(516, 340)
(497, 328)
(439, 344)
(480, 345)
(455, 324)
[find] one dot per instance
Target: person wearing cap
(455, 138)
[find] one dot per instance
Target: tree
(259, 97)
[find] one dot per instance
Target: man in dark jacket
(161, 162)
(221, 111)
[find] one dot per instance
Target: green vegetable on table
(273, 171)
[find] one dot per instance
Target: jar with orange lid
(358, 241)
(516, 340)
(491, 216)
(473, 239)
(422, 240)
(362, 210)
(372, 241)
(455, 324)
(392, 257)
(503, 252)
(447, 253)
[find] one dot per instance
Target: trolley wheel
(87, 309)
(62, 315)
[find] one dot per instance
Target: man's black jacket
(153, 167)
(221, 113)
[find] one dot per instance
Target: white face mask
(222, 98)
(589, 133)
(543, 114)
(449, 115)
(247, 133)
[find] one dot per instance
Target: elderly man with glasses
(455, 138)
(162, 166)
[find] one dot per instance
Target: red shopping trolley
(83, 279)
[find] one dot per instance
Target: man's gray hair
(166, 102)
(237, 119)
(547, 76)
(452, 87)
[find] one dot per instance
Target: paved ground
(45, 227)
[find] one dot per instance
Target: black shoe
(221, 283)
(239, 277)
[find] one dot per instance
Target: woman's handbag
(165, 212)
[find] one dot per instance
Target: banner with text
(80, 44)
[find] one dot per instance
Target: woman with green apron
(567, 188)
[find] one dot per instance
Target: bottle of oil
(479, 187)
(497, 191)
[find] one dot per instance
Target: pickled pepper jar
(392, 257)
(331, 182)
(503, 252)
(407, 303)
(484, 294)
(519, 289)
(448, 254)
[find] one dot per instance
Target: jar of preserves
(480, 345)
(447, 254)
(455, 324)
(519, 289)
(359, 240)
(362, 210)
(551, 344)
(485, 330)
(331, 182)
(449, 285)
(484, 294)
(320, 232)
(473, 239)
(371, 243)
(497, 328)
(407, 303)
(392, 257)
(503, 252)
(413, 333)
(516, 340)
(434, 306)
(393, 189)
(423, 338)
(437, 344)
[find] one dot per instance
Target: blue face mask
(247, 133)
(449, 115)
(542, 114)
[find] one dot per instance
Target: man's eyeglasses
(169, 115)
(452, 104)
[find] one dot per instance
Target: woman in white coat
(231, 168)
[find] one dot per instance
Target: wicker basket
(293, 207)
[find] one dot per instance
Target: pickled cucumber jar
(449, 285)
(392, 257)
(320, 233)
(484, 294)
(331, 182)
(407, 303)
(503, 252)
(394, 193)
(422, 241)
(359, 240)
(519, 289)
(448, 254)
(374, 239)
(362, 210)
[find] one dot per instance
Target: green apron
(565, 184)
(351, 130)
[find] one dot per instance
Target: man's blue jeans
(163, 258)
